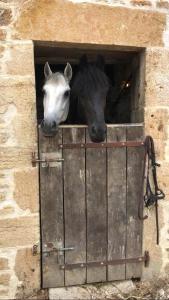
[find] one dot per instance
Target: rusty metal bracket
(142, 259)
(101, 145)
(146, 259)
(45, 162)
(36, 249)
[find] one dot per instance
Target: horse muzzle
(97, 133)
(49, 129)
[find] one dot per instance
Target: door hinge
(141, 259)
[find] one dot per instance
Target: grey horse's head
(56, 98)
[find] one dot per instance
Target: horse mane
(89, 79)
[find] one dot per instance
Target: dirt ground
(155, 289)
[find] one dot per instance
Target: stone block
(157, 77)
(25, 129)
(2, 196)
(3, 138)
(16, 157)
(26, 189)
(18, 101)
(5, 17)
(2, 34)
(89, 291)
(163, 4)
(4, 294)
(163, 182)
(19, 59)
(19, 91)
(149, 244)
(156, 122)
(141, 2)
(2, 48)
(4, 279)
(27, 268)
(6, 210)
(110, 25)
(3, 263)
(21, 231)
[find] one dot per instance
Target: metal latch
(51, 248)
(48, 160)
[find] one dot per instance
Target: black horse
(89, 89)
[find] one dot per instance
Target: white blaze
(56, 105)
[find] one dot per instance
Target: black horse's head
(91, 86)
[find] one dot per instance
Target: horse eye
(66, 94)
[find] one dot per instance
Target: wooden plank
(116, 190)
(96, 199)
(135, 159)
(74, 205)
(51, 194)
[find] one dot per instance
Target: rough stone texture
(2, 196)
(4, 279)
(27, 269)
(5, 17)
(21, 231)
(2, 34)
(19, 58)
(18, 87)
(4, 293)
(149, 243)
(26, 195)
(19, 102)
(102, 291)
(1, 50)
(109, 26)
(157, 124)
(6, 210)
(15, 159)
(3, 263)
(40, 295)
(156, 120)
(163, 175)
(157, 77)
(163, 4)
(141, 3)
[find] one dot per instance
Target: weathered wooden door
(89, 206)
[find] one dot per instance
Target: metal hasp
(56, 247)
(36, 249)
(50, 248)
(142, 259)
(101, 145)
(45, 162)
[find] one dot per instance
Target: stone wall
(137, 23)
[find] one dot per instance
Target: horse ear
(68, 72)
(83, 60)
(47, 70)
(100, 63)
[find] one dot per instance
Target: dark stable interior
(119, 68)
